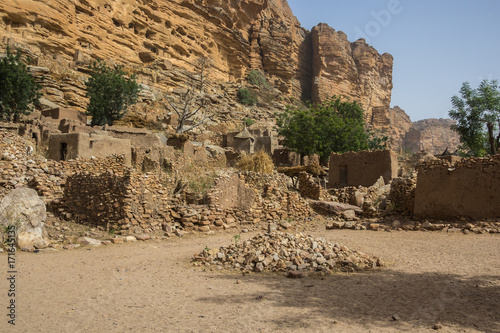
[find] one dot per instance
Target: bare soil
(430, 278)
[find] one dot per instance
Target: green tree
(477, 113)
(110, 93)
(19, 93)
(336, 125)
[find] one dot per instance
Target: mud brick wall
(467, 189)
(362, 168)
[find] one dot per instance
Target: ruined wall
(468, 189)
(232, 192)
(309, 189)
(272, 199)
(285, 158)
(362, 168)
(154, 158)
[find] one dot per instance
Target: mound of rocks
(284, 252)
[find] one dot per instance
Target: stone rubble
(285, 252)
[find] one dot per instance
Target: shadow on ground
(372, 299)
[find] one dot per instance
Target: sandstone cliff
(161, 40)
(354, 69)
(432, 135)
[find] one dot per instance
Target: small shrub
(246, 97)
(248, 122)
(258, 162)
(257, 78)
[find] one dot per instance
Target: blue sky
(437, 45)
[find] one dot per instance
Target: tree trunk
(498, 136)
(491, 138)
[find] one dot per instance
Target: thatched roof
(245, 134)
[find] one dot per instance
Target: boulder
(23, 209)
(89, 241)
(330, 207)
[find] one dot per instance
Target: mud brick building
(362, 168)
(64, 147)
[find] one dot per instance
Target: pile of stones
(284, 252)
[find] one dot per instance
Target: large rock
(23, 209)
(331, 207)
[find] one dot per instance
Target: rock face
(158, 38)
(432, 135)
(23, 209)
(400, 124)
(354, 69)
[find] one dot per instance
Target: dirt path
(151, 287)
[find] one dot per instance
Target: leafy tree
(477, 114)
(110, 93)
(333, 126)
(19, 92)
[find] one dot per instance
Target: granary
(362, 168)
(244, 141)
(251, 140)
(67, 146)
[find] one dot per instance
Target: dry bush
(258, 162)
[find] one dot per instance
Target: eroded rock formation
(156, 38)
(432, 135)
(355, 70)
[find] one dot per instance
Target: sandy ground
(431, 277)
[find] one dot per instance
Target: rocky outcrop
(399, 125)
(355, 70)
(432, 135)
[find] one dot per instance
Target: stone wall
(309, 189)
(402, 195)
(362, 168)
(468, 189)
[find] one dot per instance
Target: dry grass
(258, 162)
